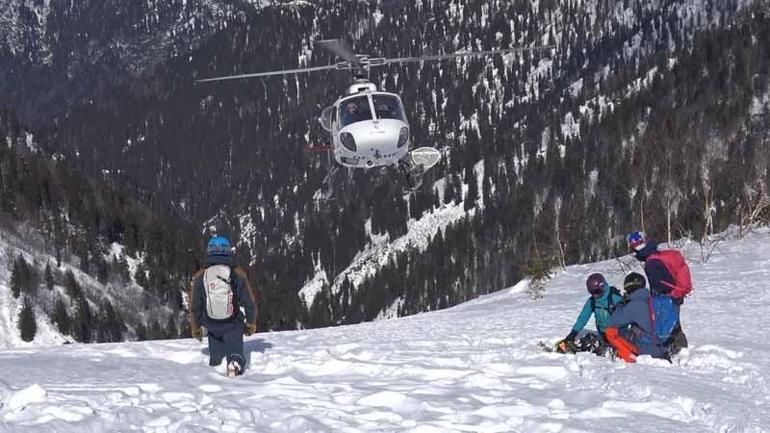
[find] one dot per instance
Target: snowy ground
(471, 368)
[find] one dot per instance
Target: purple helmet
(595, 284)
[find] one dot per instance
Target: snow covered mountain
(645, 113)
(475, 367)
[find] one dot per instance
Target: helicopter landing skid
(414, 164)
(412, 174)
(326, 192)
(328, 183)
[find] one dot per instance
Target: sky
(472, 368)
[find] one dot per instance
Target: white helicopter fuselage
(368, 129)
(376, 143)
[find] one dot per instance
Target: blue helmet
(636, 240)
(219, 246)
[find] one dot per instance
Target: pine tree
(27, 323)
(171, 329)
(49, 280)
(82, 326)
(71, 286)
(102, 270)
(122, 269)
(319, 311)
(155, 333)
(473, 188)
(111, 324)
(140, 276)
(21, 278)
(16, 277)
(185, 332)
(540, 272)
(61, 318)
(141, 332)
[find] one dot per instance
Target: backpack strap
(610, 302)
(613, 291)
(652, 322)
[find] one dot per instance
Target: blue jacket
(601, 313)
(633, 321)
(655, 270)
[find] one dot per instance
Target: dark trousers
(677, 341)
(226, 341)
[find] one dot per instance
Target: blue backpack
(664, 316)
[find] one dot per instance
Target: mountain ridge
(619, 127)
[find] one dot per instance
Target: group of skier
(642, 321)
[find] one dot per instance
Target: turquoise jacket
(601, 313)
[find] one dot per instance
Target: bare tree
(754, 210)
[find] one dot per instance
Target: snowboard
(546, 347)
(605, 352)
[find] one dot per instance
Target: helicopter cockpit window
(355, 110)
(387, 107)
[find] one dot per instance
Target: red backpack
(676, 266)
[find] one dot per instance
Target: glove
(249, 328)
(565, 346)
(197, 333)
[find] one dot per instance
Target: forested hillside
(87, 253)
(644, 114)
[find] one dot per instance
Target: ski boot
(233, 369)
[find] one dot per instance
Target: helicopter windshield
(355, 110)
(387, 107)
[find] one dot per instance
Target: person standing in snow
(217, 294)
(668, 276)
(600, 304)
(630, 330)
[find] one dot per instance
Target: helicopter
(368, 127)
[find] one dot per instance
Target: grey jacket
(633, 322)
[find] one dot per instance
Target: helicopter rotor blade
(460, 54)
(341, 65)
(341, 49)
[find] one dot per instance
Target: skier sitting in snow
(216, 295)
(631, 331)
(601, 304)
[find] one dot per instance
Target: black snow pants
(226, 341)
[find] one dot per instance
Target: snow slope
(473, 368)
